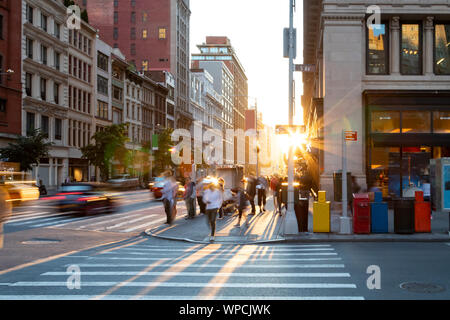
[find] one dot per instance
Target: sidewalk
(269, 227)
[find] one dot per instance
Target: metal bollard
(321, 214)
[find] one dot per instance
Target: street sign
(351, 136)
(286, 129)
(286, 43)
(305, 68)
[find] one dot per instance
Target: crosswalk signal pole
(290, 226)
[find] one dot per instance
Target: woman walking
(213, 199)
(241, 204)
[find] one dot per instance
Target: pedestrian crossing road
(137, 211)
(188, 272)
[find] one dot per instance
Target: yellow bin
(321, 214)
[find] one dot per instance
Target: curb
(151, 234)
(296, 239)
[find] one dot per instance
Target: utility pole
(290, 226)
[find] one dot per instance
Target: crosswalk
(130, 218)
(195, 272)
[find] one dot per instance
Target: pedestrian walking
(222, 190)
(262, 190)
(169, 194)
(241, 200)
(251, 192)
(275, 185)
(213, 200)
(189, 198)
(199, 189)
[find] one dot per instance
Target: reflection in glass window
(441, 122)
(385, 122)
(377, 50)
(214, 50)
(442, 49)
(416, 122)
(411, 62)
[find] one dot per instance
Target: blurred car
(157, 187)
(20, 187)
(124, 181)
(5, 211)
(85, 198)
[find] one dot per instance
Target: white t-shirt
(214, 197)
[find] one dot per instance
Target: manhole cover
(41, 241)
(421, 287)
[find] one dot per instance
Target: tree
(27, 150)
(109, 145)
(163, 157)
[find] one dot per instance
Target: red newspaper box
(422, 214)
(361, 213)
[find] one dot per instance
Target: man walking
(199, 192)
(213, 200)
(251, 192)
(169, 197)
(189, 198)
(262, 190)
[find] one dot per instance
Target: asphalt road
(144, 268)
(51, 256)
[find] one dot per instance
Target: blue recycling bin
(379, 214)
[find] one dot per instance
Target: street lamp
(290, 225)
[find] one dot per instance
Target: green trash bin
(301, 212)
(404, 215)
(337, 184)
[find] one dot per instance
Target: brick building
(154, 35)
(10, 82)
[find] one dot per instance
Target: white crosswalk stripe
(195, 272)
(133, 220)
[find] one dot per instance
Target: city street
(109, 257)
(275, 151)
(159, 270)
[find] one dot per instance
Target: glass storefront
(397, 165)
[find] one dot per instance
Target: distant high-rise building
(153, 35)
(216, 51)
(220, 49)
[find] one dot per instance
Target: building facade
(389, 82)
(154, 35)
(45, 79)
(10, 71)
(219, 49)
(81, 98)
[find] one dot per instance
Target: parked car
(124, 181)
(85, 198)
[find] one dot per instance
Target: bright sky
(255, 28)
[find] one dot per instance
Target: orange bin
(422, 213)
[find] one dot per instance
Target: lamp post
(290, 226)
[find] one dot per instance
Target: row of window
(44, 22)
(44, 54)
(410, 121)
(80, 69)
(45, 123)
(411, 49)
(43, 87)
(80, 41)
(79, 134)
(162, 33)
(79, 100)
